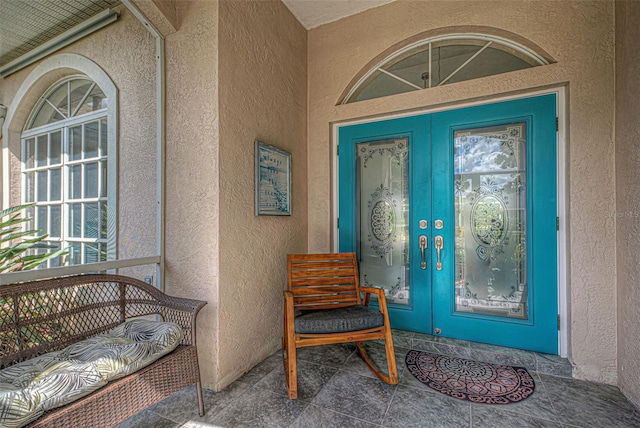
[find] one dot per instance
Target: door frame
(561, 183)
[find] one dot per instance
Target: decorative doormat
(471, 380)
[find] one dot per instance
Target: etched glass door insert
(383, 216)
(490, 221)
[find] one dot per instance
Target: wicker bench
(48, 315)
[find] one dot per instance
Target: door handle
(439, 243)
(423, 246)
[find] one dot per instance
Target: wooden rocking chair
(323, 305)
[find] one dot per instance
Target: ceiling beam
(161, 14)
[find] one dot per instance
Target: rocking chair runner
(323, 305)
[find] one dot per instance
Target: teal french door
(384, 176)
(454, 215)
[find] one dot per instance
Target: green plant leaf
(17, 208)
(14, 236)
(11, 222)
(14, 257)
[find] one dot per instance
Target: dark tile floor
(337, 390)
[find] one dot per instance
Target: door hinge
(558, 322)
(337, 149)
(557, 124)
(557, 223)
(338, 222)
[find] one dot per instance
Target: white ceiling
(313, 13)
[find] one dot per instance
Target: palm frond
(17, 208)
(17, 245)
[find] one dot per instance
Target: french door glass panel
(383, 212)
(490, 221)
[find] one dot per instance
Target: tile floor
(337, 390)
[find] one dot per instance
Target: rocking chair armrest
(372, 290)
(288, 299)
(377, 291)
(288, 302)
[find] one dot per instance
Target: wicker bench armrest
(182, 311)
(181, 303)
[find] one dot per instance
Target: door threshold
(552, 365)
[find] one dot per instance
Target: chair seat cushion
(350, 318)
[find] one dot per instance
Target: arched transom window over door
(441, 60)
(64, 169)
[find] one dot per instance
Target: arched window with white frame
(65, 170)
(441, 60)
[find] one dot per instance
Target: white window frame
(486, 40)
(64, 126)
(90, 69)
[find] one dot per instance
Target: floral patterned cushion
(30, 388)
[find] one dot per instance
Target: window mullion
(64, 232)
(56, 108)
(84, 98)
(48, 169)
(69, 98)
(23, 197)
(406, 82)
(47, 228)
(81, 191)
(464, 64)
(85, 117)
(430, 62)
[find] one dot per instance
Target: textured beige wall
(169, 10)
(126, 52)
(580, 36)
(628, 196)
(192, 244)
(263, 85)
(264, 97)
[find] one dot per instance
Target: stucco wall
(126, 52)
(580, 36)
(264, 97)
(627, 211)
(263, 85)
(192, 192)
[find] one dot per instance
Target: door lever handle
(439, 243)
(423, 246)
